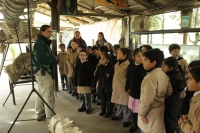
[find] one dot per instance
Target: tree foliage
(156, 22)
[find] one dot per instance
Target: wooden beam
(164, 9)
(145, 3)
(136, 5)
(90, 10)
(109, 11)
(168, 31)
(103, 15)
(75, 20)
(117, 10)
(98, 7)
(89, 19)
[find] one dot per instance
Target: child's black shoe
(93, 101)
(126, 123)
(103, 112)
(115, 117)
(88, 111)
(98, 103)
(108, 114)
(81, 109)
(133, 129)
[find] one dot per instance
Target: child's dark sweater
(84, 74)
(173, 103)
(105, 76)
(134, 79)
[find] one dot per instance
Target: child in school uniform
(135, 74)
(173, 103)
(84, 73)
(174, 50)
(119, 94)
(155, 88)
(62, 66)
(102, 50)
(189, 94)
(95, 51)
(104, 74)
(71, 63)
(190, 123)
(116, 47)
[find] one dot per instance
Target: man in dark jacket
(43, 60)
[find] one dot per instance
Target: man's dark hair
(171, 62)
(44, 27)
(155, 55)
(116, 46)
(195, 72)
(136, 51)
(194, 63)
(61, 45)
(148, 47)
(173, 46)
(69, 47)
(126, 52)
(104, 49)
(94, 48)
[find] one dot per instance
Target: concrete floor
(65, 104)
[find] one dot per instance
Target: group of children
(147, 90)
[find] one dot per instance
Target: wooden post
(129, 35)
(92, 42)
(124, 26)
(55, 26)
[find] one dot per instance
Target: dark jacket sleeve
(186, 102)
(41, 55)
(96, 77)
(127, 79)
(75, 75)
(84, 44)
(91, 72)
